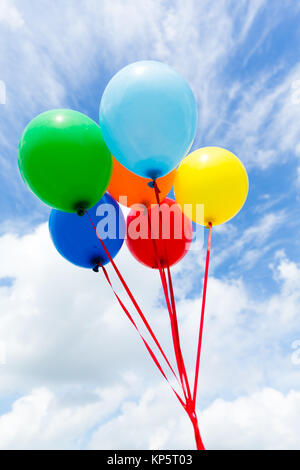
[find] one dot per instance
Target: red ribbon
(143, 339)
(188, 391)
(132, 297)
(177, 350)
(190, 404)
(171, 309)
(202, 315)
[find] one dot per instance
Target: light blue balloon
(148, 118)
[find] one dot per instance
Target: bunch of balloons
(148, 121)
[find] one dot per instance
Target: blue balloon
(75, 238)
(148, 118)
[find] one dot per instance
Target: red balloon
(163, 233)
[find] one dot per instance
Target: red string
(172, 310)
(202, 314)
(198, 439)
(191, 406)
(131, 297)
(141, 336)
(165, 289)
(177, 330)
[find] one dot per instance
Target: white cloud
(61, 326)
(253, 9)
(67, 50)
(64, 331)
(42, 420)
(265, 127)
(263, 420)
(48, 64)
(59, 321)
(10, 15)
(266, 419)
(60, 56)
(251, 244)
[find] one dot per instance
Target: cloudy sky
(73, 373)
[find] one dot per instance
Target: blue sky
(242, 62)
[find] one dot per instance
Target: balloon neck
(81, 206)
(97, 262)
(151, 184)
(80, 212)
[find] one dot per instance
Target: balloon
(148, 118)
(169, 239)
(136, 188)
(64, 160)
(75, 238)
(214, 177)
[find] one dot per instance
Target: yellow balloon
(212, 179)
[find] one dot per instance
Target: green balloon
(64, 160)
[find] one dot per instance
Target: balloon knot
(96, 268)
(80, 212)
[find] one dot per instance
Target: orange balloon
(135, 188)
